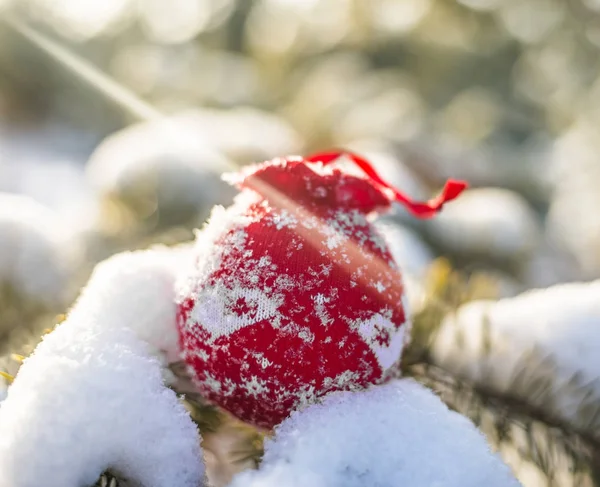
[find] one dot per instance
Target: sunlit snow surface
(399, 434)
(541, 346)
(92, 396)
(38, 253)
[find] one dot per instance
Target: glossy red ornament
(294, 293)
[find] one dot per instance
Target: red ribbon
(421, 209)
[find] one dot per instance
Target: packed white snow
(3, 389)
(399, 434)
(92, 396)
(38, 252)
(489, 222)
(542, 346)
(136, 290)
(164, 165)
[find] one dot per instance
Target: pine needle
(9, 378)
(17, 358)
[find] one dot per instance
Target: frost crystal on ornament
(294, 293)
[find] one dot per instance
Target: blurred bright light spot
(81, 19)
(222, 10)
(393, 114)
(483, 5)
(178, 21)
(271, 29)
(398, 16)
(276, 27)
(296, 5)
(471, 116)
(138, 67)
(328, 23)
(592, 33)
(224, 77)
(444, 26)
(552, 77)
(531, 21)
(592, 4)
(4, 4)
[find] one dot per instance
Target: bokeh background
(118, 116)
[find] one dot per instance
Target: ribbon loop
(421, 209)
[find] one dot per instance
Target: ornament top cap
(313, 182)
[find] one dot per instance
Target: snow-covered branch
(92, 395)
(540, 347)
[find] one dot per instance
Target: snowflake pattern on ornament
(294, 293)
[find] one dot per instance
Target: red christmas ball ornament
(294, 293)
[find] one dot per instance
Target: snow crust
(167, 162)
(136, 290)
(541, 346)
(92, 395)
(388, 436)
(492, 222)
(37, 253)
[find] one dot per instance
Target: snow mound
(245, 134)
(136, 290)
(489, 222)
(37, 252)
(541, 346)
(92, 395)
(165, 165)
(100, 403)
(388, 436)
